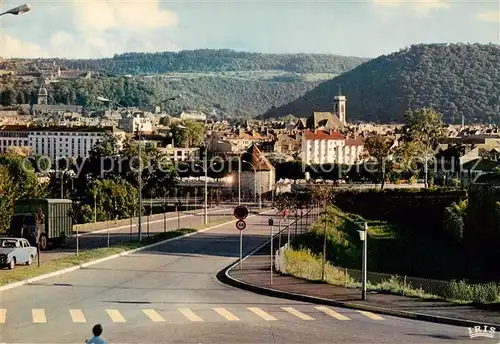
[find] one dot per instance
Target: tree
(423, 129)
(17, 180)
(114, 196)
(379, 148)
(191, 136)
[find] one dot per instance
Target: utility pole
(363, 235)
(139, 219)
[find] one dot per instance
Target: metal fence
(314, 268)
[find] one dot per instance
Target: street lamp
(139, 215)
(139, 191)
(205, 167)
(363, 236)
(17, 10)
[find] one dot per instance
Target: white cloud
(11, 47)
(421, 7)
(489, 17)
(102, 15)
(61, 38)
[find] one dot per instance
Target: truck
(42, 221)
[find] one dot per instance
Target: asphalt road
(170, 294)
(92, 240)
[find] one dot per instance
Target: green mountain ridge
(238, 84)
(455, 79)
(215, 60)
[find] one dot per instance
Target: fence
(314, 268)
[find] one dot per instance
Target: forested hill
(454, 79)
(209, 60)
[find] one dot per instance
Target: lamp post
(17, 10)
(139, 178)
(363, 235)
(205, 167)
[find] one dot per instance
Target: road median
(29, 274)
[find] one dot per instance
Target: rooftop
(82, 129)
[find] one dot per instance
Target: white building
(330, 147)
(180, 154)
(130, 124)
(55, 142)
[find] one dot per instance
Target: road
(92, 240)
(170, 294)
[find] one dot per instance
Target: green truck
(42, 220)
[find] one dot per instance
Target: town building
(258, 175)
(336, 120)
(130, 124)
(43, 106)
(331, 147)
(55, 142)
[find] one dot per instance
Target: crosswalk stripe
(190, 314)
(297, 313)
(226, 314)
(115, 315)
(39, 316)
(3, 316)
(153, 315)
(77, 316)
(262, 314)
(371, 315)
(332, 313)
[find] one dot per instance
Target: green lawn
(20, 273)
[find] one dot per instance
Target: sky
(369, 28)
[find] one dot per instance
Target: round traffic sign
(241, 225)
(241, 212)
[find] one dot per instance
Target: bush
(412, 209)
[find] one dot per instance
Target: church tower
(42, 95)
(339, 107)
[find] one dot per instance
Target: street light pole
(139, 213)
(17, 10)
(205, 167)
(239, 181)
(363, 235)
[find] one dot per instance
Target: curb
(225, 277)
(100, 260)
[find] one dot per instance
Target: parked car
(16, 251)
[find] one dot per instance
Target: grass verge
(394, 252)
(306, 265)
(84, 256)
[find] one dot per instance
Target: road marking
(332, 313)
(3, 316)
(298, 314)
(153, 315)
(115, 315)
(77, 316)
(39, 316)
(262, 314)
(226, 314)
(190, 314)
(371, 315)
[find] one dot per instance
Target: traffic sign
(241, 212)
(241, 225)
(285, 213)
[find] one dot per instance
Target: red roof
(354, 141)
(323, 135)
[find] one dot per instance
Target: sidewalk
(255, 276)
